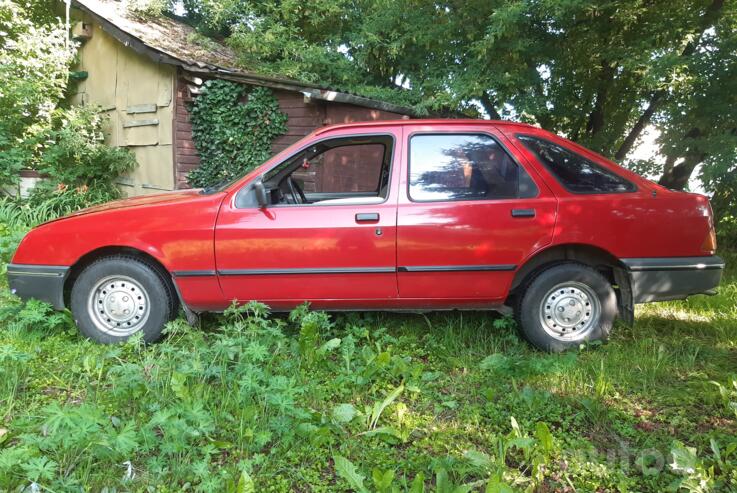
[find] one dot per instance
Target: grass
(445, 402)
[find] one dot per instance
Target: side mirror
(261, 196)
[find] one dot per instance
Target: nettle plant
(231, 135)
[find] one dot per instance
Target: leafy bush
(34, 70)
(66, 144)
(47, 203)
(148, 8)
(727, 233)
(232, 137)
(74, 152)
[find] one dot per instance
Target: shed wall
(138, 96)
(304, 116)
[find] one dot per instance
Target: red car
(398, 215)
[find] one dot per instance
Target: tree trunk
(488, 105)
(640, 125)
(710, 17)
(595, 123)
(678, 176)
(670, 160)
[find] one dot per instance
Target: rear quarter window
(575, 172)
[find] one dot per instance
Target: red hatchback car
(398, 215)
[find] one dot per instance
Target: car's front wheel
(118, 296)
(565, 305)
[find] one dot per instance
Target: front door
(469, 216)
(329, 236)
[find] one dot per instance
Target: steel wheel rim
(570, 311)
(118, 305)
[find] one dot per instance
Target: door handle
(523, 212)
(367, 217)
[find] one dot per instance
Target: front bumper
(673, 278)
(43, 282)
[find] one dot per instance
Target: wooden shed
(143, 72)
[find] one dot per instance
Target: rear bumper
(43, 282)
(673, 278)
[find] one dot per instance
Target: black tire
(162, 301)
(529, 310)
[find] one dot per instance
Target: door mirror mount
(261, 196)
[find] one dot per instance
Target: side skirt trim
(673, 263)
(329, 270)
(347, 270)
(458, 268)
(193, 273)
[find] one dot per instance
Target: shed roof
(169, 41)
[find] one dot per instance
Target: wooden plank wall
(304, 117)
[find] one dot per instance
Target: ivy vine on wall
(231, 135)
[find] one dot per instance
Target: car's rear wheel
(565, 305)
(116, 297)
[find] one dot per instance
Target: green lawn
(445, 402)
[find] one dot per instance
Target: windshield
(221, 185)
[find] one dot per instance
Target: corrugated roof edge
(207, 69)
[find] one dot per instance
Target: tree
(37, 129)
(596, 71)
(34, 69)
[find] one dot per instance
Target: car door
(337, 252)
(468, 216)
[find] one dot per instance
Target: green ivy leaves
(233, 136)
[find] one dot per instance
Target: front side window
(576, 173)
(464, 167)
(344, 170)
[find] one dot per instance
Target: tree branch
(676, 176)
(679, 175)
(710, 17)
(489, 107)
(639, 126)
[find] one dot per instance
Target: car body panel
(632, 224)
(297, 253)
(467, 249)
(428, 255)
(177, 230)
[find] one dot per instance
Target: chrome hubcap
(118, 305)
(570, 311)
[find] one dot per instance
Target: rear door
(468, 215)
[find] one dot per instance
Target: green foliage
(35, 132)
(48, 202)
(596, 72)
(79, 166)
(728, 395)
(74, 152)
(148, 8)
(34, 68)
(232, 136)
(248, 402)
(348, 472)
(10, 237)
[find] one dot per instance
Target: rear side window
(446, 167)
(576, 173)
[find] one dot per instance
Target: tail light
(710, 242)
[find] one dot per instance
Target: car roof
(423, 122)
